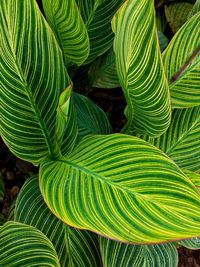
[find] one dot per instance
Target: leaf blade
(140, 70)
(123, 200)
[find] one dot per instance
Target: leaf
(65, 20)
(195, 9)
(123, 255)
(66, 125)
(140, 70)
(193, 243)
(181, 141)
(163, 41)
(90, 118)
(194, 177)
(73, 247)
(31, 64)
(161, 22)
(23, 245)
(182, 64)
(97, 16)
(177, 13)
(123, 188)
(103, 72)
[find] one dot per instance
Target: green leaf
(25, 246)
(194, 177)
(123, 188)
(123, 255)
(97, 16)
(193, 243)
(195, 9)
(161, 22)
(65, 20)
(140, 69)
(103, 72)
(182, 64)
(66, 125)
(73, 247)
(31, 62)
(90, 118)
(181, 141)
(163, 41)
(177, 14)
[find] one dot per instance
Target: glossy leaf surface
(140, 70)
(123, 188)
(65, 20)
(97, 16)
(24, 246)
(73, 247)
(181, 141)
(123, 255)
(31, 62)
(182, 64)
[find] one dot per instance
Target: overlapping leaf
(195, 9)
(73, 247)
(23, 245)
(97, 16)
(182, 64)
(90, 118)
(123, 255)
(140, 69)
(181, 141)
(33, 76)
(65, 19)
(103, 72)
(193, 243)
(194, 177)
(124, 188)
(177, 13)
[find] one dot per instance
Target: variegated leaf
(140, 70)
(65, 19)
(182, 64)
(24, 245)
(31, 62)
(73, 247)
(123, 188)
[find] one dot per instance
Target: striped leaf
(103, 72)
(181, 141)
(24, 246)
(140, 70)
(90, 118)
(123, 255)
(65, 20)
(97, 16)
(182, 64)
(195, 9)
(194, 177)
(177, 14)
(73, 247)
(31, 62)
(123, 188)
(193, 243)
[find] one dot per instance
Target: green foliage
(139, 186)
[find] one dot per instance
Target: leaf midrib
(27, 89)
(108, 182)
(170, 150)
